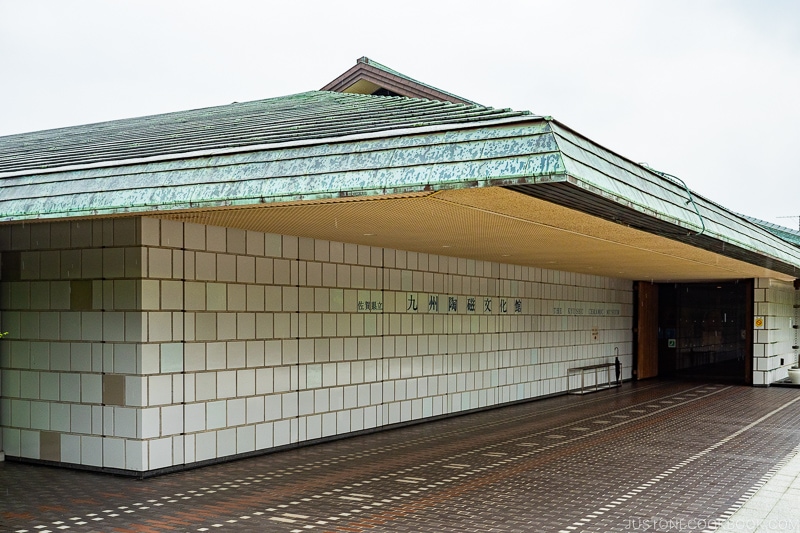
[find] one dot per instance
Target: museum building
(203, 285)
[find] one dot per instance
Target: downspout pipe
(688, 192)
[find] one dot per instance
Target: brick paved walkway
(656, 456)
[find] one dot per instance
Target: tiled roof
(304, 116)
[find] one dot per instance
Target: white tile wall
(282, 339)
(773, 351)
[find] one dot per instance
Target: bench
(584, 385)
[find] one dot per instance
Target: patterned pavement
(655, 456)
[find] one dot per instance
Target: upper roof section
(300, 117)
(370, 77)
(787, 234)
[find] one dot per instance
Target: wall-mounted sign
(759, 322)
(672, 343)
(444, 303)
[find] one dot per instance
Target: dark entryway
(703, 330)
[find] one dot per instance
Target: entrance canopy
(456, 179)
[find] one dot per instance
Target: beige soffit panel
(491, 224)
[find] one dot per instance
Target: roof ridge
(383, 67)
(378, 74)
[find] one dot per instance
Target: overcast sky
(706, 90)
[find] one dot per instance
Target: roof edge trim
(144, 209)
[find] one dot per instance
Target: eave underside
(493, 224)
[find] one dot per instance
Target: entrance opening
(704, 330)
(694, 331)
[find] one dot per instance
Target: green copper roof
(304, 116)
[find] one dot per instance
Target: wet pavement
(655, 456)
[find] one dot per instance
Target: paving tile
(665, 454)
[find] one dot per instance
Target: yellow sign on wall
(759, 322)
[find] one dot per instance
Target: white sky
(706, 90)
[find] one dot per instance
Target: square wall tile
(255, 243)
(71, 449)
(273, 245)
(216, 414)
(194, 417)
(160, 390)
(172, 420)
(206, 446)
(113, 453)
(135, 390)
(91, 388)
(194, 236)
(264, 436)
(245, 439)
(171, 234)
(50, 446)
(206, 386)
(205, 266)
(92, 451)
(159, 263)
(160, 453)
(216, 238)
(135, 262)
(282, 433)
(150, 420)
(195, 296)
(226, 267)
(226, 384)
(236, 412)
(81, 419)
(245, 269)
(136, 455)
(150, 231)
(171, 357)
